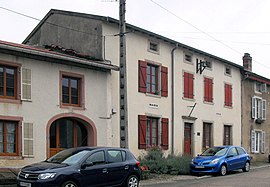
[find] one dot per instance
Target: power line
(178, 17)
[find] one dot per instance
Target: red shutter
(164, 81)
(142, 131)
(142, 76)
(164, 133)
(210, 90)
(185, 85)
(191, 94)
(228, 95)
(206, 89)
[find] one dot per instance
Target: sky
(224, 28)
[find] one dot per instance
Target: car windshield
(215, 151)
(69, 156)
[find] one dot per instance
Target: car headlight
(46, 176)
(215, 161)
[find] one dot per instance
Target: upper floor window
(228, 70)
(8, 82)
(208, 90)
(153, 47)
(188, 58)
(149, 81)
(258, 108)
(153, 132)
(228, 95)
(260, 87)
(8, 138)
(188, 85)
(71, 89)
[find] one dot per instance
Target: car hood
(205, 158)
(43, 166)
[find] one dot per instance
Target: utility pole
(123, 76)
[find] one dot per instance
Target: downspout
(172, 53)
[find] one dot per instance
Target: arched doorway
(69, 130)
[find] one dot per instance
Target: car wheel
(223, 170)
(69, 184)
(132, 181)
(247, 167)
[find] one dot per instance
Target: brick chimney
(247, 62)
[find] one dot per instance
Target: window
(207, 135)
(228, 95)
(72, 86)
(8, 82)
(227, 70)
(188, 85)
(208, 90)
(257, 141)
(258, 108)
(227, 135)
(8, 138)
(114, 156)
(149, 81)
(97, 158)
(153, 47)
(188, 58)
(26, 84)
(260, 87)
(152, 132)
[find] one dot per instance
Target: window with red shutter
(164, 133)
(164, 81)
(188, 85)
(142, 131)
(228, 95)
(208, 90)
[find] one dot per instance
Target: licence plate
(26, 184)
(199, 166)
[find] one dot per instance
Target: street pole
(123, 76)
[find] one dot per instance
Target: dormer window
(260, 87)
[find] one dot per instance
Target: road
(257, 178)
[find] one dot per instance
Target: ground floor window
(153, 132)
(257, 141)
(8, 138)
(207, 135)
(227, 140)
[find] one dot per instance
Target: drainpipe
(172, 53)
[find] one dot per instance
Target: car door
(232, 159)
(117, 166)
(94, 170)
(242, 157)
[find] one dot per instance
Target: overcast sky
(224, 28)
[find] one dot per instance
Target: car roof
(97, 148)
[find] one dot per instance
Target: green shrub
(159, 164)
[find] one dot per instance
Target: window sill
(11, 157)
(229, 107)
(188, 99)
(72, 107)
(153, 95)
(208, 103)
(12, 101)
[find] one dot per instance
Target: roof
(256, 77)
(129, 27)
(55, 57)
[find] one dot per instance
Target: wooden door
(187, 139)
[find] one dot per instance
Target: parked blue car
(220, 160)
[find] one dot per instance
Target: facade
(255, 120)
(179, 98)
(48, 102)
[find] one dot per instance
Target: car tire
(69, 184)
(247, 167)
(223, 170)
(132, 181)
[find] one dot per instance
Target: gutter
(172, 53)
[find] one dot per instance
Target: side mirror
(85, 165)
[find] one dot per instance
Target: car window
(96, 158)
(124, 155)
(232, 151)
(115, 156)
(214, 151)
(240, 151)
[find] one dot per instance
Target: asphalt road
(253, 178)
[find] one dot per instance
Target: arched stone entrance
(69, 130)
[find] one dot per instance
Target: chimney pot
(247, 62)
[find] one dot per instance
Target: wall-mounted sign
(153, 105)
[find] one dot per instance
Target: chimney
(247, 62)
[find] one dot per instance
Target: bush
(159, 164)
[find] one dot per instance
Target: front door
(187, 139)
(66, 133)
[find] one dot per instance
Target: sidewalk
(8, 176)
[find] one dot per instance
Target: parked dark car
(220, 160)
(82, 167)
